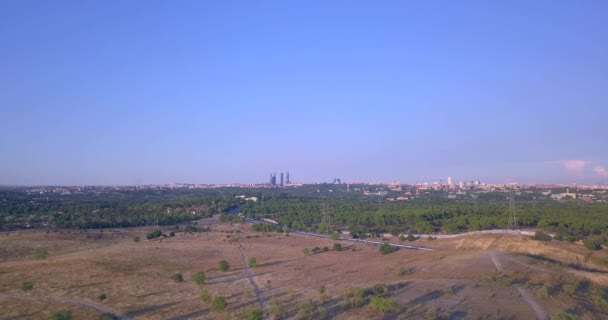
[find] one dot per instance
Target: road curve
(87, 304)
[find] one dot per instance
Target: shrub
(177, 277)
(569, 288)
(199, 278)
(223, 266)
(385, 248)
(380, 289)
(255, 315)
(108, 316)
(542, 292)
(564, 316)
(316, 250)
(62, 315)
(431, 238)
(541, 236)
(276, 308)
(102, 297)
(172, 234)
(592, 245)
(253, 262)
(136, 239)
(337, 247)
(306, 310)
(206, 296)
(401, 238)
(218, 304)
(335, 235)
(306, 251)
(27, 286)
(41, 254)
(411, 237)
(381, 304)
(405, 271)
(325, 249)
(154, 234)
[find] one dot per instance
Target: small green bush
(41, 254)
(136, 239)
(541, 236)
(255, 315)
(199, 278)
(385, 248)
(177, 278)
(102, 297)
(253, 262)
(381, 304)
(337, 247)
(27, 286)
(206, 296)
(62, 315)
(223, 266)
(218, 304)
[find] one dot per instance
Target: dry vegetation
(459, 281)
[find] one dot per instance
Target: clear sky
(137, 92)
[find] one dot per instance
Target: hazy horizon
(144, 92)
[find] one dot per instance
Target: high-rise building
(273, 179)
(449, 181)
(281, 178)
(287, 180)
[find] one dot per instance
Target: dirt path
(540, 312)
(251, 276)
(97, 307)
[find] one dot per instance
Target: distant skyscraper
(273, 179)
(281, 178)
(287, 180)
(449, 181)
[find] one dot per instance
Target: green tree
(335, 235)
(224, 266)
(253, 262)
(218, 304)
(199, 278)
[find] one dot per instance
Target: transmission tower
(513, 224)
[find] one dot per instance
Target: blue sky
(137, 92)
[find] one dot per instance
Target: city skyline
(115, 93)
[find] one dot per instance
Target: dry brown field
(460, 280)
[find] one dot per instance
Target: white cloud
(601, 171)
(575, 165)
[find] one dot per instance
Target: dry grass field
(483, 277)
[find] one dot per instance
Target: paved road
(87, 304)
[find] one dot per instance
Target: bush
(541, 236)
(136, 239)
(335, 235)
(276, 308)
(564, 316)
(223, 266)
(306, 251)
(325, 249)
(381, 304)
(337, 247)
(592, 245)
(27, 286)
(218, 304)
(177, 277)
(102, 297)
(401, 238)
(380, 289)
(199, 278)
(385, 248)
(255, 315)
(172, 234)
(41, 254)
(405, 271)
(108, 316)
(206, 296)
(253, 262)
(542, 292)
(154, 234)
(411, 237)
(62, 315)
(306, 310)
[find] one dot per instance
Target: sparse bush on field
(223, 266)
(380, 289)
(27, 286)
(564, 316)
(276, 308)
(306, 310)
(102, 297)
(405, 271)
(431, 238)
(253, 262)
(449, 291)
(353, 297)
(177, 277)
(41, 254)
(108, 316)
(411, 237)
(199, 278)
(337, 247)
(62, 315)
(306, 251)
(542, 292)
(136, 239)
(172, 234)
(592, 245)
(255, 315)
(569, 288)
(385, 248)
(325, 249)
(383, 305)
(316, 250)
(206, 296)
(218, 304)
(335, 235)
(433, 313)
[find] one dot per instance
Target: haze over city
(113, 92)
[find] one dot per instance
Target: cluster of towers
(282, 182)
